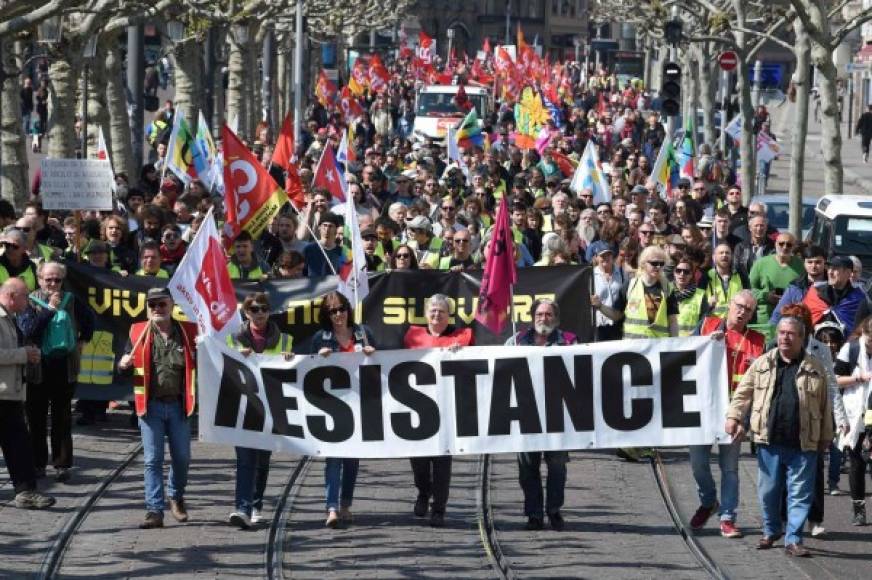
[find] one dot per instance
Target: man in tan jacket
(14, 436)
(790, 416)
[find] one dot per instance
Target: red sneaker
(702, 515)
(729, 529)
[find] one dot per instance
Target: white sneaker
(240, 520)
(817, 530)
(256, 516)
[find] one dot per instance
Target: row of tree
(239, 25)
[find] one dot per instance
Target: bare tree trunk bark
(253, 84)
(63, 72)
(235, 94)
(802, 51)
(189, 80)
(118, 136)
(98, 111)
(831, 133)
(747, 141)
(13, 168)
(706, 92)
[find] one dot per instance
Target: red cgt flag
(252, 197)
(494, 299)
(284, 151)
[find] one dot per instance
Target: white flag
(201, 285)
(588, 175)
(353, 279)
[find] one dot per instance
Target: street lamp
(240, 32)
(450, 34)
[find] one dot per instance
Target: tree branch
(851, 25)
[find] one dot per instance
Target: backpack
(59, 338)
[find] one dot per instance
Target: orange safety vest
(142, 364)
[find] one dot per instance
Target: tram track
(51, 564)
(274, 550)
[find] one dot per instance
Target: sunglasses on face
(337, 310)
(656, 264)
(404, 256)
(784, 244)
(461, 241)
(258, 309)
(160, 304)
(646, 232)
(682, 270)
(449, 207)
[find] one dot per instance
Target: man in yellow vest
(652, 310)
(723, 281)
(14, 262)
(423, 241)
(692, 303)
(243, 265)
(461, 254)
(149, 261)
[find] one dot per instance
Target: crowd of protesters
(691, 259)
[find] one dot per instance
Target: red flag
(325, 90)
(486, 47)
(378, 77)
(499, 275)
(425, 47)
(327, 175)
(284, 151)
(351, 109)
(252, 197)
(565, 164)
(294, 187)
(601, 104)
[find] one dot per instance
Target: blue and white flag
(588, 175)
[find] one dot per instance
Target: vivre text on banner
(496, 399)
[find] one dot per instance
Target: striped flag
(665, 169)
(180, 153)
(687, 152)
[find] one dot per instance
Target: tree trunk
(13, 155)
(253, 84)
(802, 51)
(98, 112)
(706, 93)
(831, 133)
(283, 85)
(747, 142)
(118, 136)
(189, 80)
(235, 94)
(63, 72)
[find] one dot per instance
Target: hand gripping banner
(494, 399)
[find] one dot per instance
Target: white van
(436, 111)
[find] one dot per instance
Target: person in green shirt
(772, 274)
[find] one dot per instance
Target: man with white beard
(544, 332)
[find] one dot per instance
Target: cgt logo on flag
(215, 290)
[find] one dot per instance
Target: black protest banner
(396, 300)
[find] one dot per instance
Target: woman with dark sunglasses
(261, 335)
(339, 333)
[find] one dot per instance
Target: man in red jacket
(161, 352)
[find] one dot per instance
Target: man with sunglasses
(161, 351)
(771, 275)
(14, 262)
(743, 346)
(460, 257)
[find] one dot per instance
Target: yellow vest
(160, 273)
(28, 276)
(715, 288)
(98, 360)
(286, 341)
(236, 272)
(636, 323)
(689, 311)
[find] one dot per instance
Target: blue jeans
(530, 478)
(835, 468)
(780, 467)
(165, 420)
(340, 474)
(252, 471)
(728, 461)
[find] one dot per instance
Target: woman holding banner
(433, 474)
(338, 333)
(259, 335)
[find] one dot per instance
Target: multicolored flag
(206, 160)
(251, 197)
(665, 169)
(687, 152)
(353, 280)
(495, 296)
(180, 152)
(469, 132)
(588, 175)
(201, 285)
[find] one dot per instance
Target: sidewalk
(858, 175)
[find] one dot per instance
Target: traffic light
(670, 90)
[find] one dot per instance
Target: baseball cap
(419, 222)
(840, 262)
(601, 247)
(157, 294)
